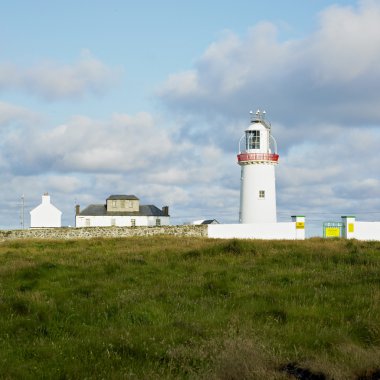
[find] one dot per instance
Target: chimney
(77, 209)
(46, 198)
(165, 210)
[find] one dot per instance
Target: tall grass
(167, 307)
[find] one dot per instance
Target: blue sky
(146, 40)
(151, 98)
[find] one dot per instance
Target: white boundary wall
(287, 231)
(360, 230)
(367, 230)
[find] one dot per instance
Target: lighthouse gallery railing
(258, 157)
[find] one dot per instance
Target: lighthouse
(258, 158)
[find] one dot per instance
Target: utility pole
(22, 219)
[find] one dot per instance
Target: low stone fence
(103, 232)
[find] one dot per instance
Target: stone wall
(106, 232)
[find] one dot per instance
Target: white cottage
(45, 215)
(122, 211)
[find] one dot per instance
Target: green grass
(167, 307)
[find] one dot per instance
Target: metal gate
(333, 229)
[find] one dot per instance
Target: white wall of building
(255, 178)
(45, 215)
(287, 231)
(120, 221)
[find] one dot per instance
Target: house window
(114, 204)
(113, 222)
(122, 203)
(252, 140)
(158, 222)
(262, 194)
(133, 222)
(88, 222)
(130, 204)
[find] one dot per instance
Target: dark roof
(210, 221)
(100, 210)
(129, 197)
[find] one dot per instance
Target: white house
(122, 211)
(45, 215)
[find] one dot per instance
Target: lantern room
(257, 143)
(257, 135)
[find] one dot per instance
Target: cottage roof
(101, 210)
(206, 221)
(122, 197)
(45, 206)
(210, 221)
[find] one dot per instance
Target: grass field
(167, 307)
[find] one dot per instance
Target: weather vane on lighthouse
(258, 158)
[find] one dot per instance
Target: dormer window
(252, 140)
(122, 203)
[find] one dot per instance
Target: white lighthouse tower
(258, 158)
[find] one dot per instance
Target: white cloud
(330, 75)
(83, 144)
(53, 81)
(348, 43)
(63, 184)
(183, 84)
(12, 114)
(328, 178)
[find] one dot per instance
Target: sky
(151, 98)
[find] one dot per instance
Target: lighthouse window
(261, 194)
(253, 140)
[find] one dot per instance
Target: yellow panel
(332, 232)
(350, 227)
(300, 225)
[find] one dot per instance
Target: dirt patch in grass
(370, 375)
(302, 373)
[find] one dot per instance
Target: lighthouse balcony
(247, 158)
